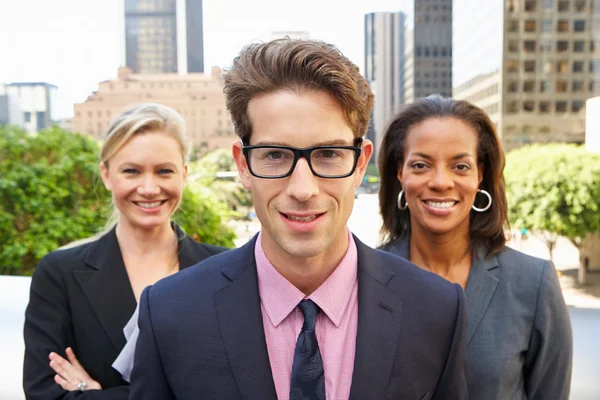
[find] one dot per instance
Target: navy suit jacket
(202, 337)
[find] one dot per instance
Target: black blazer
(82, 298)
(202, 336)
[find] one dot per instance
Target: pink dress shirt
(336, 324)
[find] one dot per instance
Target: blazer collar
(378, 307)
(106, 284)
(239, 313)
(481, 283)
(481, 286)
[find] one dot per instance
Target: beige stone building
(197, 97)
(530, 64)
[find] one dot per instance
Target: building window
(579, 46)
(530, 25)
(561, 106)
(593, 46)
(544, 107)
(579, 5)
(529, 46)
(529, 106)
(563, 5)
(546, 46)
(529, 86)
(595, 87)
(426, 51)
(546, 25)
(529, 66)
(547, 4)
(27, 116)
(561, 86)
(513, 46)
(512, 107)
(579, 25)
(513, 25)
(418, 51)
(562, 46)
(595, 65)
(577, 87)
(513, 87)
(545, 86)
(562, 66)
(576, 105)
(562, 25)
(512, 66)
(578, 66)
(530, 5)
(547, 67)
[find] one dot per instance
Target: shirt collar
(279, 297)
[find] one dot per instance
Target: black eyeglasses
(272, 162)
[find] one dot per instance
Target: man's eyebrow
(335, 142)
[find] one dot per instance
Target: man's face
(302, 215)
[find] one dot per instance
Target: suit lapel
(481, 283)
(377, 307)
(481, 286)
(106, 287)
(240, 318)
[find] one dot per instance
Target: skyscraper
(531, 65)
(428, 49)
(163, 36)
(384, 68)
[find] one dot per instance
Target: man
(304, 310)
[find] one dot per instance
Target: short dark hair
(486, 228)
(297, 65)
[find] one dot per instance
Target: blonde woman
(82, 297)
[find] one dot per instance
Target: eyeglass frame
(302, 153)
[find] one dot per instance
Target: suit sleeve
(549, 358)
(453, 382)
(148, 379)
(48, 328)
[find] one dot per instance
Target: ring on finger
(81, 386)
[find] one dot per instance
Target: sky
(75, 44)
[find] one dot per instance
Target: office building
(197, 97)
(164, 36)
(531, 65)
(428, 49)
(36, 101)
(384, 68)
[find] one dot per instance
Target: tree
(554, 190)
(202, 216)
(51, 195)
(204, 174)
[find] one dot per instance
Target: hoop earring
(399, 202)
(489, 204)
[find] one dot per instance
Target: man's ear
(104, 175)
(242, 165)
(363, 162)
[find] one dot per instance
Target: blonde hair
(137, 120)
(140, 119)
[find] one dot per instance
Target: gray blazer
(519, 337)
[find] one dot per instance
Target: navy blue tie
(308, 377)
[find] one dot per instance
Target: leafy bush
(554, 190)
(51, 195)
